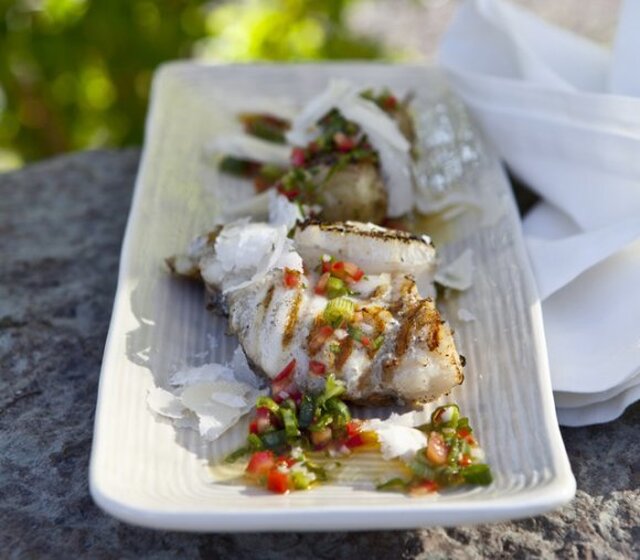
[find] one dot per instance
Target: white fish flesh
(374, 248)
(414, 358)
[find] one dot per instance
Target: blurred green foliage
(75, 74)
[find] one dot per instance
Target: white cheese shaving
(458, 274)
(466, 315)
(211, 398)
(282, 212)
(165, 403)
(246, 252)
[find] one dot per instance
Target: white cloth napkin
(564, 113)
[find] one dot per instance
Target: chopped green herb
(378, 342)
(338, 311)
(393, 485)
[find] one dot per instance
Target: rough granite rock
(61, 226)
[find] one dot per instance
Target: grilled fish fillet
(414, 358)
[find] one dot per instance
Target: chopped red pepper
(353, 428)
(278, 482)
(253, 427)
(354, 441)
(283, 381)
(291, 278)
(319, 337)
(365, 341)
(321, 286)
(297, 157)
(344, 270)
(337, 268)
(263, 420)
(390, 102)
(343, 142)
(261, 463)
(291, 194)
(426, 487)
(317, 368)
(463, 432)
(354, 271)
(465, 461)
(286, 372)
(360, 439)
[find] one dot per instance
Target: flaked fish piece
(356, 192)
(374, 248)
(383, 132)
(392, 346)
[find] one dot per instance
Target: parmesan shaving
(245, 253)
(458, 274)
(282, 211)
(210, 398)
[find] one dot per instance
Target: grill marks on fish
(313, 344)
(292, 319)
(380, 292)
(403, 338)
(416, 359)
(352, 229)
(421, 322)
(377, 318)
(346, 348)
(266, 302)
(433, 340)
(365, 380)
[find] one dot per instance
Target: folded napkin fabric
(591, 308)
(564, 114)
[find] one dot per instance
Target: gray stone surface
(61, 226)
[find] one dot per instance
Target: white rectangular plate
(146, 472)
